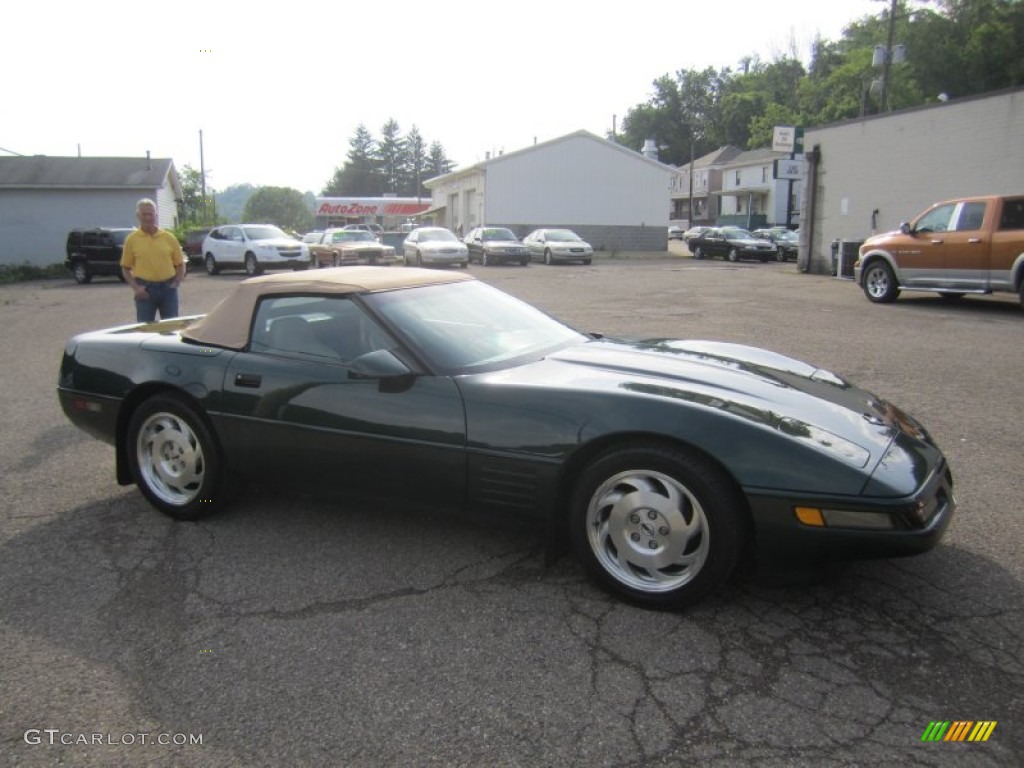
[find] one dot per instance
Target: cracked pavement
(293, 629)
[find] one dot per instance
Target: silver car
(428, 246)
(551, 245)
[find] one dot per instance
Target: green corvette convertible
(660, 461)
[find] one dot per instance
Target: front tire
(734, 255)
(484, 261)
(660, 526)
(211, 265)
(81, 272)
(547, 257)
(880, 283)
(174, 458)
(698, 252)
(252, 267)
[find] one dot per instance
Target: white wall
(901, 163)
(578, 181)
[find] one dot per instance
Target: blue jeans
(162, 297)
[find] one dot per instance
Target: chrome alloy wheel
(878, 281)
(170, 458)
(647, 531)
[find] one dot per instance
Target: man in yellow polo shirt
(153, 265)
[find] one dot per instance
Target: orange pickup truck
(970, 245)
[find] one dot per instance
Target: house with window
(751, 196)
(707, 183)
(42, 198)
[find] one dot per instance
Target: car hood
(771, 390)
(504, 244)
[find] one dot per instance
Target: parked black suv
(95, 251)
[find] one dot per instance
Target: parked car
(95, 251)
(693, 232)
(490, 245)
(551, 245)
(340, 247)
(254, 248)
(434, 246)
(787, 242)
(732, 243)
(193, 245)
(375, 229)
(661, 461)
(956, 247)
(676, 233)
(312, 237)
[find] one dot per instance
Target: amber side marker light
(839, 518)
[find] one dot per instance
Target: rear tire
(658, 525)
(174, 458)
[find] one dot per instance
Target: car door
(535, 245)
(292, 408)
(921, 258)
(474, 243)
(967, 248)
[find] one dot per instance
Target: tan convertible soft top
(227, 324)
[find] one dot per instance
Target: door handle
(974, 240)
(937, 242)
(251, 380)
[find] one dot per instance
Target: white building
(43, 198)
(610, 195)
(752, 197)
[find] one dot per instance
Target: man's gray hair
(144, 201)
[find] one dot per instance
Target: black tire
(524, 262)
(879, 282)
(780, 256)
(174, 458)
(82, 274)
(211, 265)
(698, 252)
(484, 261)
(586, 262)
(659, 526)
(547, 256)
(733, 255)
(252, 266)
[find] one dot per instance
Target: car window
(937, 220)
(972, 216)
(264, 233)
(328, 329)
(470, 326)
(1013, 215)
(498, 234)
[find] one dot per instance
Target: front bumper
(917, 523)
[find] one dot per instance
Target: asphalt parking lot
(295, 630)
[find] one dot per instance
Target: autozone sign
(369, 206)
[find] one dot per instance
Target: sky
(277, 89)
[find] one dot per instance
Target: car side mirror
(905, 228)
(379, 364)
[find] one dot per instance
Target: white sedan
(551, 245)
(429, 246)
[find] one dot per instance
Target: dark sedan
(660, 461)
(787, 242)
(732, 243)
(496, 245)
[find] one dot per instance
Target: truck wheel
(880, 283)
(81, 272)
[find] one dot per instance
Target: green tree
(390, 157)
(438, 162)
(359, 176)
(414, 172)
(283, 206)
(192, 209)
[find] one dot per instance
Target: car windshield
(437, 236)
(470, 326)
(562, 236)
(787, 237)
(350, 235)
(736, 233)
(264, 233)
(498, 234)
(119, 235)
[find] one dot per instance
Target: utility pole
(887, 66)
(202, 176)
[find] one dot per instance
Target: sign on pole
(788, 138)
(789, 169)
